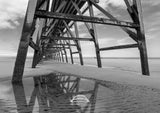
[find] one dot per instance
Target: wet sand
(52, 94)
(110, 90)
(106, 74)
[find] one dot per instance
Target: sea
(125, 64)
(59, 93)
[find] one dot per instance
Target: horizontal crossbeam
(119, 47)
(59, 47)
(63, 44)
(45, 14)
(75, 52)
(67, 38)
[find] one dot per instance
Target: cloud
(105, 4)
(11, 11)
(151, 2)
(117, 3)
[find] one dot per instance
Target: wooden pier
(52, 20)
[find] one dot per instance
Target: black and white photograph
(79, 56)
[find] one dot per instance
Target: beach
(38, 93)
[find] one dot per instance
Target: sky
(13, 12)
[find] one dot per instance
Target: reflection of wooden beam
(66, 81)
(45, 14)
(120, 47)
(81, 92)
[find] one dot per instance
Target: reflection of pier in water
(53, 94)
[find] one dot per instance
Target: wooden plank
(120, 47)
(45, 14)
(24, 42)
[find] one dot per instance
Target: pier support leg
(24, 42)
(94, 35)
(78, 44)
(36, 55)
(62, 56)
(65, 53)
(71, 55)
(141, 40)
(35, 59)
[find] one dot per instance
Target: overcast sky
(12, 14)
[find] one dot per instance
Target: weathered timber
(45, 14)
(33, 45)
(24, 42)
(129, 32)
(63, 44)
(78, 44)
(67, 38)
(93, 32)
(119, 47)
(75, 52)
(142, 41)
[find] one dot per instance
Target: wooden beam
(75, 52)
(142, 41)
(129, 32)
(73, 21)
(78, 44)
(40, 4)
(119, 47)
(24, 42)
(94, 35)
(58, 47)
(133, 13)
(63, 44)
(54, 22)
(33, 45)
(45, 14)
(67, 38)
(80, 92)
